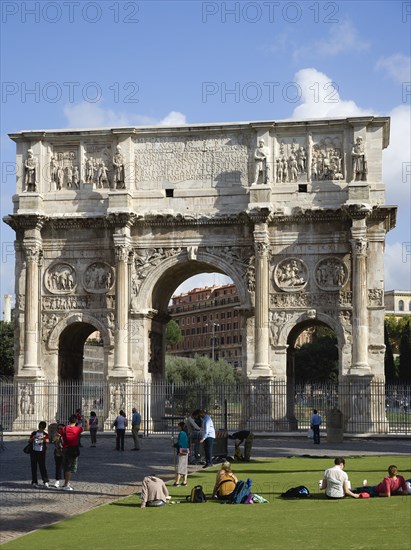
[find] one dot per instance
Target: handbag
(310, 434)
(28, 448)
(183, 451)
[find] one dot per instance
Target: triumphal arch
(109, 222)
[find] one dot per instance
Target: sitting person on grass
(153, 492)
(225, 482)
(336, 482)
(391, 485)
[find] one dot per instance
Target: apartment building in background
(209, 322)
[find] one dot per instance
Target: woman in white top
(120, 424)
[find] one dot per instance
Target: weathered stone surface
(109, 222)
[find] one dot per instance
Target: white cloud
(92, 115)
(397, 159)
(343, 37)
(320, 97)
(397, 267)
(173, 118)
(397, 66)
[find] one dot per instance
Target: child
(58, 454)
(93, 426)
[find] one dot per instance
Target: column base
(31, 371)
(260, 370)
(360, 369)
(121, 371)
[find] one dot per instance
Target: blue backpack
(240, 493)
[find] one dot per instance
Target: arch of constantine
(109, 222)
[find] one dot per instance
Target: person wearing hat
(135, 428)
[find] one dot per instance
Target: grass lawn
(315, 523)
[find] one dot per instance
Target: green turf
(316, 523)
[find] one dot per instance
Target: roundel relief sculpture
(331, 274)
(98, 278)
(60, 278)
(291, 275)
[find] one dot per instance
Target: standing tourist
(315, 423)
(39, 439)
(135, 428)
(193, 424)
(58, 454)
(182, 455)
(71, 452)
(93, 427)
(120, 425)
(207, 438)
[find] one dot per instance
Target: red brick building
(209, 322)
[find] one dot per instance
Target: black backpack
(240, 493)
(197, 494)
(296, 492)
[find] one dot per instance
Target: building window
(236, 313)
(222, 340)
(228, 326)
(235, 326)
(228, 339)
(229, 314)
(222, 316)
(204, 318)
(193, 331)
(401, 305)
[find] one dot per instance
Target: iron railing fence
(261, 405)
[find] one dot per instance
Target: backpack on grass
(296, 492)
(240, 493)
(197, 495)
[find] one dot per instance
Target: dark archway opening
(312, 371)
(72, 390)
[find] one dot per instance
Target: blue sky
(93, 64)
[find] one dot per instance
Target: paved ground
(105, 474)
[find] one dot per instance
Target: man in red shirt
(70, 434)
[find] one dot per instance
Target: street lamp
(213, 326)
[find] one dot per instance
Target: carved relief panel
(291, 160)
(98, 278)
(291, 275)
(331, 274)
(97, 164)
(60, 278)
(327, 158)
(64, 168)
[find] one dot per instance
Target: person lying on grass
(393, 484)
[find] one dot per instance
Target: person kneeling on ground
(153, 492)
(393, 484)
(239, 437)
(336, 482)
(225, 482)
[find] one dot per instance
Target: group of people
(337, 486)
(66, 453)
(67, 443)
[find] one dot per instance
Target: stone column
(121, 247)
(261, 364)
(33, 253)
(359, 243)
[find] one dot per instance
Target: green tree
(395, 328)
(405, 354)
(6, 349)
(173, 333)
(318, 360)
(390, 368)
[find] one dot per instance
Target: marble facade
(110, 221)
